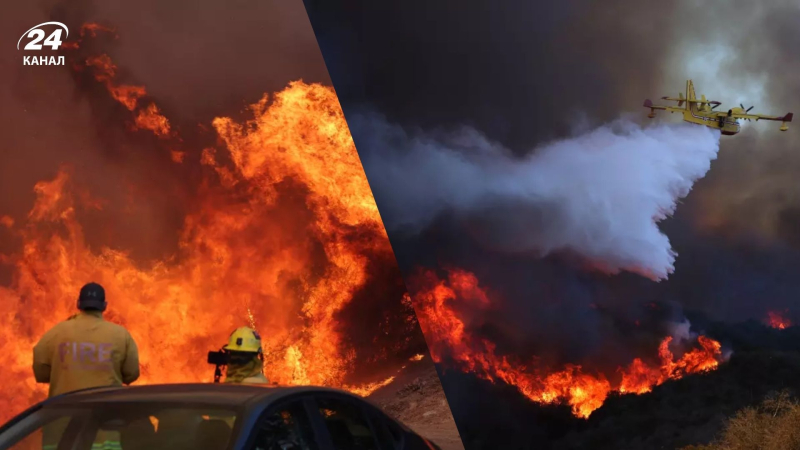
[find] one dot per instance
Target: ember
(776, 319)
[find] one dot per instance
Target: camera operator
(245, 358)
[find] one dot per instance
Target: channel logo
(37, 39)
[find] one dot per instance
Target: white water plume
(600, 194)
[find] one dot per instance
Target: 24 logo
(36, 36)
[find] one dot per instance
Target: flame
(150, 118)
(127, 95)
(241, 259)
(417, 357)
(93, 28)
(369, 388)
(154, 421)
(778, 320)
(450, 341)
(640, 378)
(88, 30)
(146, 118)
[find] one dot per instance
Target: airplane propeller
(745, 110)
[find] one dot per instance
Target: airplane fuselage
(727, 125)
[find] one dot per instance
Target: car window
(44, 437)
(167, 428)
(389, 434)
(288, 428)
(126, 427)
(346, 424)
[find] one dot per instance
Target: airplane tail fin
(649, 104)
(690, 95)
(786, 119)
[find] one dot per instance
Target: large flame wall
(281, 237)
(438, 303)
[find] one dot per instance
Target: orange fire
(147, 118)
(150, 118)
(639, 378)
(449, 340)
(93, 28)
(244, 258)
(105, 71)
(776, 319)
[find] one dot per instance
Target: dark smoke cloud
(752, 187)
(528, 72)
(520, 73)
(525, 74)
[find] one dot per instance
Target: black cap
(92, 296)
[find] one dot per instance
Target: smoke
(681, 331)
(599, 195)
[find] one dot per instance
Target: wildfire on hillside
(283, 235)
(451, 343)
(778, 320)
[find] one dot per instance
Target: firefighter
(86, 351)
(83, 352)
(246, 358)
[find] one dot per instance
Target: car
(208, 417)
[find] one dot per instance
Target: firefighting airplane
(702, 112)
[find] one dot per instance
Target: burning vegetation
(778, 320)
(282, 235)
(453, 344)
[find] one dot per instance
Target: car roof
(231, 395)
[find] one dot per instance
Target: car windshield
(131, 426)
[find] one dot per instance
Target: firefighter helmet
(244, 339)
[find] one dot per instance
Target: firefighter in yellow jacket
(85, 351)
(246, 358)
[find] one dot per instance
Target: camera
(218, 358)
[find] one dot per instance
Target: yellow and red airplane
(702, 112)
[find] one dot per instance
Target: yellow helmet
(244, 339)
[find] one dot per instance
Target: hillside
(416, 398)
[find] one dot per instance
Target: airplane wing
(786, 118)
(703, 102)
(649, 104)
(699, 102)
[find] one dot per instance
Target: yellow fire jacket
(83, 352)
(249, 373)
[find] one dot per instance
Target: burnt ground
(416, 399)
